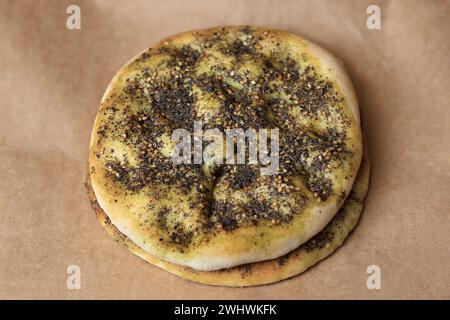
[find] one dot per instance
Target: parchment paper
(52, 82)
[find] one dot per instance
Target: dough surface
(207, 216)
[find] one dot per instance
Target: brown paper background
(52, 82)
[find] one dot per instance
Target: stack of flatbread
(212, 220)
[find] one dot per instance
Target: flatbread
(208, 216)
(299, 260)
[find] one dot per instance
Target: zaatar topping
(287, 89)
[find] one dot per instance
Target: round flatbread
(209, 215)
(270, 271)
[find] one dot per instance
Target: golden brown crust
(270, 271)
(243, 244)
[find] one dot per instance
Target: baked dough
(270, 271)
(210, 217)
